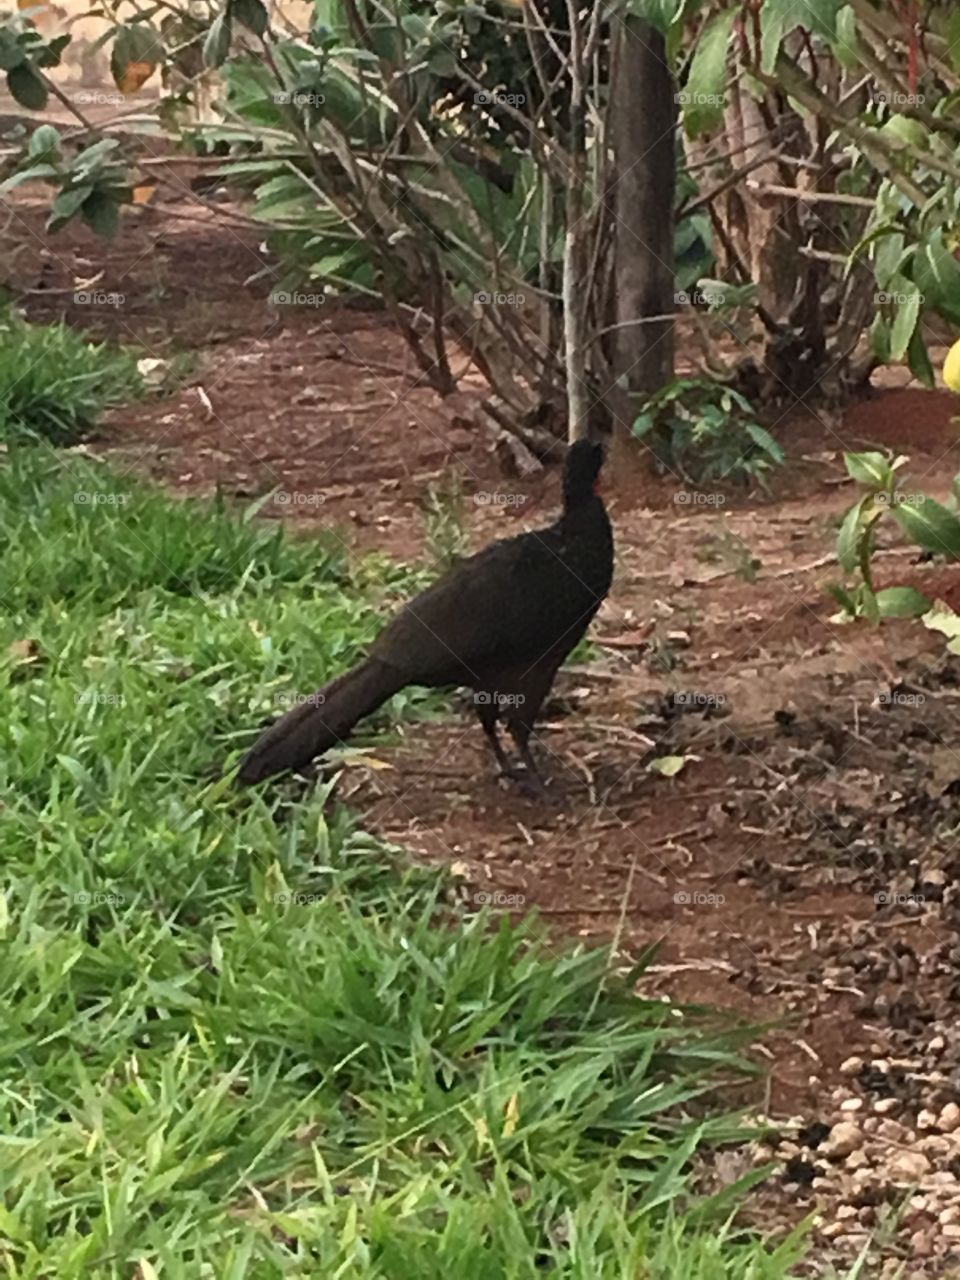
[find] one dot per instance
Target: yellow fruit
(951, 368)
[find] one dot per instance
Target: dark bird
(500, 623)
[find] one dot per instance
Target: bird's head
(581, 472)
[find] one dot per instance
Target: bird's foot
(528, 780)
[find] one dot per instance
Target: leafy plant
(53, 383)
(704, 430)
(728, 548)
(24, 54)
(927, 523)
(92, 182)
(447, 537)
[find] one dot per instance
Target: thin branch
(727, 183)
(810, 197)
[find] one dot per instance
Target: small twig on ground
(695, 966)
(819, 985)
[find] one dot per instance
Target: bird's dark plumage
(500, 623)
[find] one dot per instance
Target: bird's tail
(322, 719)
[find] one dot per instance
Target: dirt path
(802, 865)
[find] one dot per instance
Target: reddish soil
(820, 758)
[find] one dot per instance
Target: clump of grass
(242, 1037)
(71, 529)
(54, 383)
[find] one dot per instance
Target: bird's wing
(500, 603)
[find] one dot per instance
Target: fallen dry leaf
(371, 762)
(153, 371)
(24, 651)
(626, 640)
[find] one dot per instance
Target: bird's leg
(531, 778)
(487, 715)
(493, 737)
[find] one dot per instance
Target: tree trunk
(644, 144)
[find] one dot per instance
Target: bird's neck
(583, 513)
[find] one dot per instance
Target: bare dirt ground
(800, 869)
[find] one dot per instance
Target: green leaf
(11, 50)
(443, 62)
(762, 437)
(250, 13)
(329, 14)
(76, 770)
(69, 201)
(66, 205)
(216, 47)
(661, 14)
(703, 95)
(953, 39)
(850, 535)
(900, 132)
(888, 257)
(820, 17)
(48, 55)
(930, 525)
(901, 602)
(846, 43)
(102, 213)
(27, 87)
(880, 339)
(843, 598)
(253, 510)
(777, 17)
(904, 324)
(872, 469)
(90, 158)
(918, 359)
(642, 424)
(44, 143)
(31, 174)
(867, 603)
(386, 42)
(936, 274)
(415, 26)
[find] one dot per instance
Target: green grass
(239, 1037)
(54, 382)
